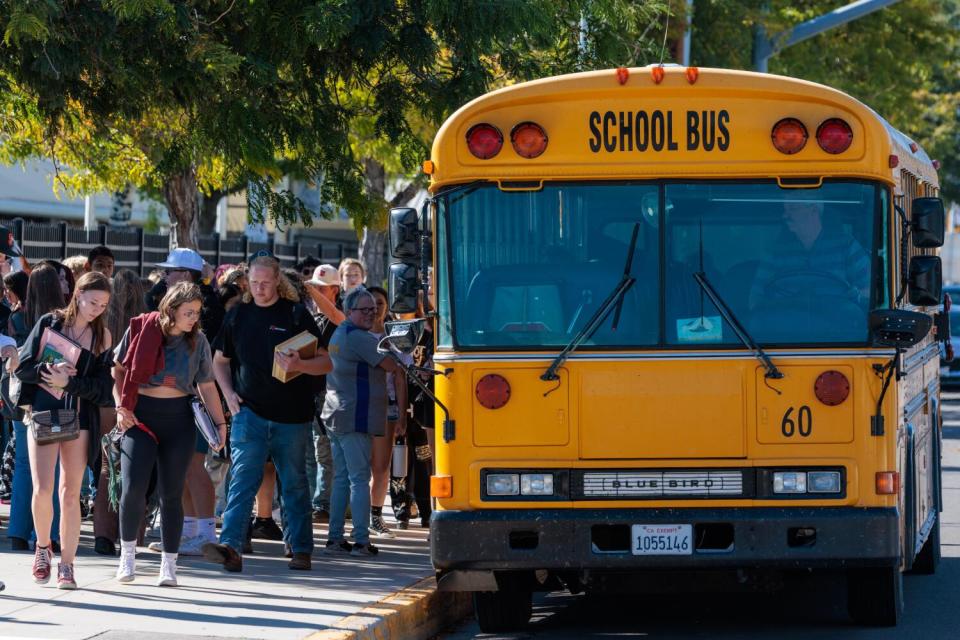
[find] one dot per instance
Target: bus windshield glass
(796, 267)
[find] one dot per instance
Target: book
(54, 348)
(305, 343)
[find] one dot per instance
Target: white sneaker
(168, 573)
(126, 571)
(155, 546)
(191, 546)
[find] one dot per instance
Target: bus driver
(812, 261)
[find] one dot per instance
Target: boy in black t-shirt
(269, 417)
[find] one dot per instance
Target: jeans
(252, 438)
(351, 481)
(324, 458)
(21, 511)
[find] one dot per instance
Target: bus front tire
(499, 611)
(875, 596)
(928, 559)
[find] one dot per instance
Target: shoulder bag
(55, 425)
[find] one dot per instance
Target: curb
(415, 613)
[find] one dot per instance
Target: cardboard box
(305, 343)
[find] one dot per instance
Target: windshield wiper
(596, 320)
(725, 311)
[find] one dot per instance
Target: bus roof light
(623, 74)
(789, 136)
(893, 161)
(493, 391)
(484, 140)
(657, 73)
(888, 483)
(936, 165)
(834, 135)
(914, 147)
(529, 139)
(831, 388)
(692, 74)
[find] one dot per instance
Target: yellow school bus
(687, 322)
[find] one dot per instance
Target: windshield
(528, 269)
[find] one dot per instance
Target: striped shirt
(792, 269)
(356, 399)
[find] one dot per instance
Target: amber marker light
(529, 139)
(834, 135)
(428, 167)
(623, 74)
(888, 483)
(914, 147)
(692, 74)
(657, 73)
(441, 486)
(484, 140)
(831, 388)
(789, 136)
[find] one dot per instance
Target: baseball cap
(7, 244)
(183, 259)
(325, 276)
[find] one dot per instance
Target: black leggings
(171, 421)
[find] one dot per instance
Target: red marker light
(484, 140)
(936, 165)
(657, 73)
(914, 147)
(623, 74)
(529, 139)
(893, 161)
(692, 74)
(493, 391)
(831, 388)
(834, 136)
(789, 136)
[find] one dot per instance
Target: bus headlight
(823, 482)
(503, 484)
(790, 482)
(536, 484)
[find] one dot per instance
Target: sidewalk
(266, 601)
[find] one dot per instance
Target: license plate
(662, 539)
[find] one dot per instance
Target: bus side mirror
(926, 281)
(404, 335)
(404, 284)
(404, 233)
(928, 222)
(898, 328)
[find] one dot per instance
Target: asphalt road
(811, 607)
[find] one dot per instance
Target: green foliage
(139, 91)
(901, 60)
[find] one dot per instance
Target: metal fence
(139, 251)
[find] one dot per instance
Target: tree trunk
(373, 242)
(183, 203)
(208, 214)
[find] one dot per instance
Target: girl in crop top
(160, 429)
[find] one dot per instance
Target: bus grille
(657, 484)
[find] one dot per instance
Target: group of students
(136, 380)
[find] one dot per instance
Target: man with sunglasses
(354, 410)
(306, 266)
